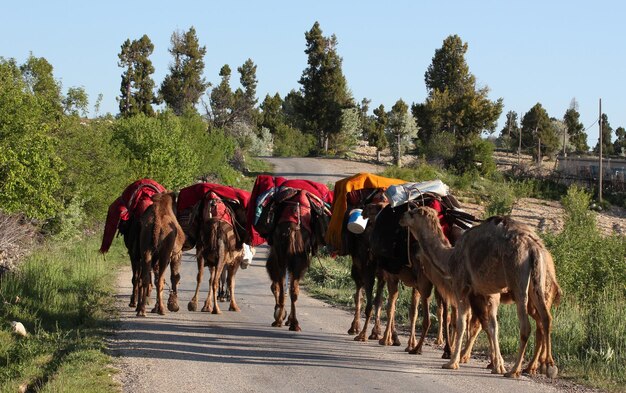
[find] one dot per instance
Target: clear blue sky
(524, 51)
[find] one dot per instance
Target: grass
(62, 295)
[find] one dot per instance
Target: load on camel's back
(292, 216)
(214, 220)
(124, 216)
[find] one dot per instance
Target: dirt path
(240, 352)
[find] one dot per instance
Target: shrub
(290, 142)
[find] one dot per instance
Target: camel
(124, 215)
(160, 244)
(395, 266)
(217, 247)
(365, 273)
(499, 256)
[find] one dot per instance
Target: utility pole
(519, 148)
(600, 149)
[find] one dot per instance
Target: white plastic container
(356, 222)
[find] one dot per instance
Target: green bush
(290, 142)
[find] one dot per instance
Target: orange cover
(342, 188)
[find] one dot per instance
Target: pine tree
(245, 98)
(401, 129)
(137, 87)
(619, 146)
(538, 133)
(184, 85)
(575, 129)
(607, 131)
(271, 113)
(377, 136)
(509, 135)
(324, 87)
(454, 104)
(222, 100)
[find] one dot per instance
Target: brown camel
(218, 248)
(161, 241)
(498, 256)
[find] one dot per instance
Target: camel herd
(419, 242)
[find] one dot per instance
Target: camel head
(371, 210)
(420, 219)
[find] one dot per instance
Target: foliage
(76, 102)
(607, 131)
(510, 132)
(184, 85)
(152, 148)
(324, 88)
(475, 155)
(575, 129)
(29, 165)
(619, 146)
(290, 142)
(501, 201)
(536, 127)
(62, 296)
(137, 87)
(222, 100)
(401, 130)
(348, 136)
(376, 137)
(271, 112)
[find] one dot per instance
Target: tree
(222, 100)
(324, 87)
(454, 104)
(76, 101)
(575, 129)
(607, 145)
(245, 97)
(137, 87)
(619, 146)
(538, 134)
(271, 112)
(377, 137)
(37, 72)
(401, 129)
(184, 85)
(509, 135)
(348, 136)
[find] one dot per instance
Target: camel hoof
(132, 304)
(234, 308)
(141, 314)
(154, 310)
(277, 324)
(415, 351)
(206, 309)
(173, 307)
(374, 336)
(439, 341)
(382, 341)
(464, 359)
(396, 342)
(353, 331)
(191, 306)
(295, 328)
(510, 374)
(450, 366)
(360, 337)
(216, 311)
(552, 372)
(530, 370)
(543, 368)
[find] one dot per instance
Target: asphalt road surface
(241, 352)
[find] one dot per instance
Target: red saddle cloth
(297, 209)
(133, 202)
(215, 208)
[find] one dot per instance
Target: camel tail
(539, 272)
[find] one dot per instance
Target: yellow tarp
(342, 188)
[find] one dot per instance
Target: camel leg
(378, 305)
(358, 298)
(294, 291)
(425, 325)
(193, 303)
(221, 294)
(463, 310)
(524, 326)
(490, 326)
(232, 269)
(143, 290)
(278, 289)
(172, 301)
(411, 344)
(473, 330)
(440, 310)
(362, 336)
(215, 282)
(135, 262)
(392, 287)
(543, 310)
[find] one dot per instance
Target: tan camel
(498, 256)
(161, 242)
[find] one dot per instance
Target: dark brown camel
(498, 256)
(364, 270)
(160, 244)
(218, 248)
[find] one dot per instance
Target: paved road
(241, 352)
